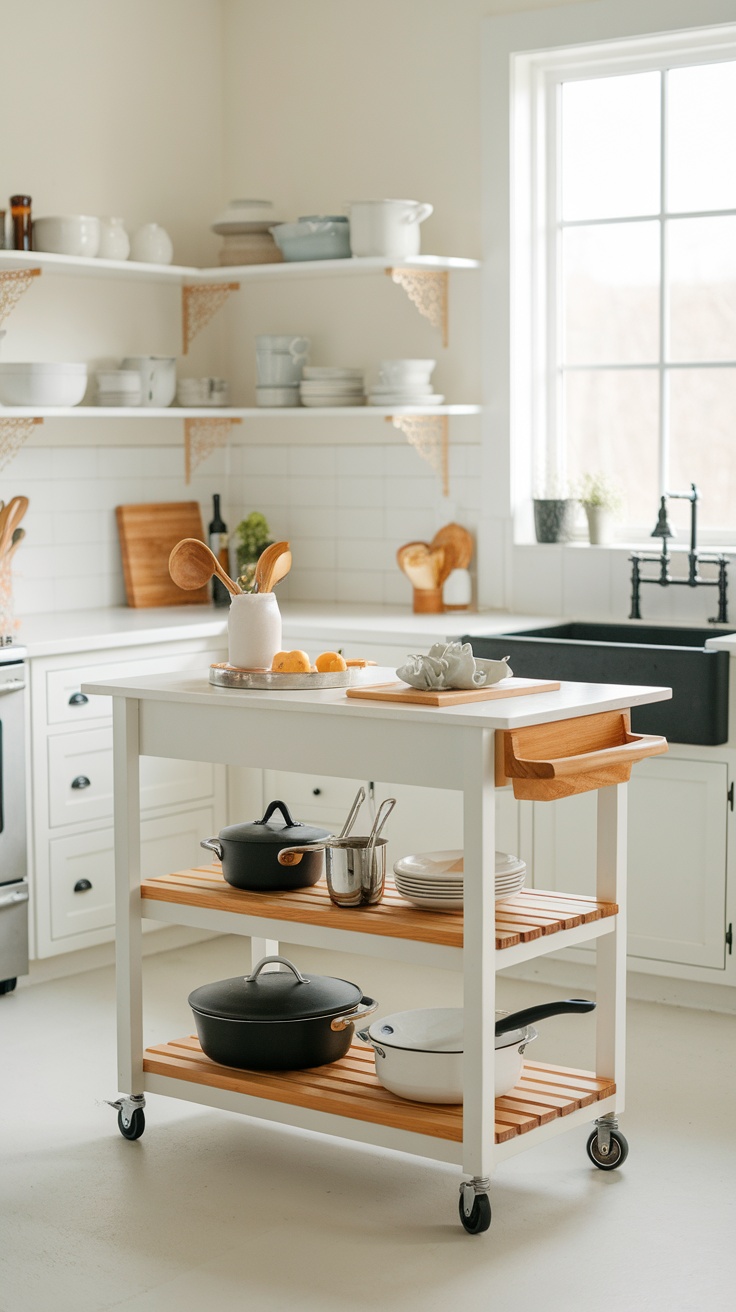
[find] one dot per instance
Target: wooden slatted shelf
(351, 1088)
(530, 914)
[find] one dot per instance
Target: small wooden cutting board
(147, 534)
(403, 692)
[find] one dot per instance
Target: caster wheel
(616, 1155)
(7, 985)
(135, 1126)
(480, 1217)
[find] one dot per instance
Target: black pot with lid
(249, 852)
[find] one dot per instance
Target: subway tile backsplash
(345, 509)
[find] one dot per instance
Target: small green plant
(600, 492)
(251, 536)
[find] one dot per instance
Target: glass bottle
(219, 547)
(20, 213)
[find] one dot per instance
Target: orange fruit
(291, 662)
(324, 661)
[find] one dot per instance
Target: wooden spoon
(10, 517)
(18, 537)
(265, 565)
(279, 569)
(192, 564)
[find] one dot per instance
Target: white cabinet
(678, 817)
(72, 793)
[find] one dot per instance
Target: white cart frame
(450, 747)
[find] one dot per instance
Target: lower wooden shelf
(530, 914)
(351, 1088)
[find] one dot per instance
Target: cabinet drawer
(167, 843)
(81, 781)
(67, 704)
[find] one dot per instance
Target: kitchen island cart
(547, 745)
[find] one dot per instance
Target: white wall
(164, 109)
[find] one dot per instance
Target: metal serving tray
(227, 676)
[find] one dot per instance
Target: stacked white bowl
(119, 387)
(331, 385)
(436, 879)
(404, 382)
(40, 383)
(193, 392)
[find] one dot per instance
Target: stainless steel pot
(419, 1054)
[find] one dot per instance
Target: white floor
(214, 1211)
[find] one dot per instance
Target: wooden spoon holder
(544, 762)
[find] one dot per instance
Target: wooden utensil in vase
(423, 565)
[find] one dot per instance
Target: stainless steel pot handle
(357, 803)
(365, 1007)
(284, 961)
(365, 1036)
(213, 844)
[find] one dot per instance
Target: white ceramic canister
(457, 591)
(114, 240)
(152, 245)
(253, 630)
(158, 377)
(386, 227)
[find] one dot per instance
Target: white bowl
(404, 371)
(67, 234)
(283, 396)
(38, 383)
(118, 380)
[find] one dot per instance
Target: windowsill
(645, 548)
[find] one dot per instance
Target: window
(622, 262)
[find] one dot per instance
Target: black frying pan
(530, 1015)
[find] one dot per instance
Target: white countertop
(123, 626)
(572, 699)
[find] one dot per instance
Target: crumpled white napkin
(452, 665)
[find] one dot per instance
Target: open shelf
(350, 1088)
(180, 274)
(228, 412)
(529, 917)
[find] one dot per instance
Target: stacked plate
(404, 382)
(325, 385)
(244, 227)
(435, 879)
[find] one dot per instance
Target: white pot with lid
(386, 227)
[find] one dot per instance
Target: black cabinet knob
(317, 792)
(78, 699)
(82, 886)
(81, 781)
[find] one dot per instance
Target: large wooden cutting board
(147, 534)
(403, 692)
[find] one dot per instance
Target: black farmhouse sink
(627, 653)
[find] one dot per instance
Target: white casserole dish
(38, 383)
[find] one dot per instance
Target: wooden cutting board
(147, 533)
(403, 692)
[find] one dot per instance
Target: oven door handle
(11, 899)
(12, 685)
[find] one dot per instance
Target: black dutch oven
(278, 1021)
(249, 852)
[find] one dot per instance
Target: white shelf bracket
(13, 283)
(199, 304)
(201, 438)
(428, 435)
(427, 289)
(13, 433)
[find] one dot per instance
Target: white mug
(158, 378)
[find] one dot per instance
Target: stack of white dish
(435, 879)
(119, 387)
(331, 386)
(404, 382)
(193, 392)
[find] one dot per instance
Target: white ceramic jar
(386, 227)
(253, 630)
(114, 240)
(152, 245)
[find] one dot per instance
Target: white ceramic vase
(114, 240)
(600, 525)
(253, 630)
(152, 244)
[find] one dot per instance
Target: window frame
(526, 57)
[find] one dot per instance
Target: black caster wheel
(135, 1126)
(7, 985)
(480, 1216)
(616, 1155)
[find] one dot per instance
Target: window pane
(703, 441)
(701, 163)
(611, 294)
(702, 282)
(610, 146)
(611, 425)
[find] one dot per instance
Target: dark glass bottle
(20, 213)
(218, 545)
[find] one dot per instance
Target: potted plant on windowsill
(601, 500)
(554, 511)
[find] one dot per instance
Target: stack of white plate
(435, 879)
(325, 385)
(119, 387)
(404, 382)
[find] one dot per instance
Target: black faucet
(662, 530)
